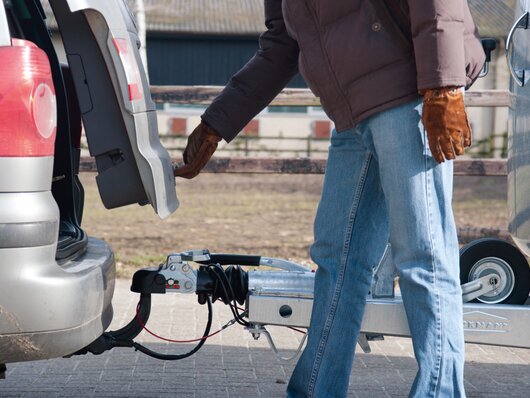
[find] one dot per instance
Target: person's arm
(438, 38)
(246, 94)
(438, 34)
(251, 89)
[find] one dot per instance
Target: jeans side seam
(428, 181)
(342, 268)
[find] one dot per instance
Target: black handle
(232, 259)
(489, 45)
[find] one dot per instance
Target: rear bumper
(47, 310)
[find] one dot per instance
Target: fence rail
(242, 165)
(204, 95)
(248, 144)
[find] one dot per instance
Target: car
(56, 283)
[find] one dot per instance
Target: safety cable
(296, 330)
(228, 294)
(175, 357)
(144, 327)
(281, 358)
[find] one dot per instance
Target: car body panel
(46, 310)
(49, 310)
(519, 135)
(133, 165)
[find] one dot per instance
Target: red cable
(296, 330)
(142, 324)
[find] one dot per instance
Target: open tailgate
(119, 117)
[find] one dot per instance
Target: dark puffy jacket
(359, 56)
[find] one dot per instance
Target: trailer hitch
(177, 276)
(210, 282)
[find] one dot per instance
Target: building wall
(200, 59)
(278, 134)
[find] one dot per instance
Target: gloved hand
(201, 145)
(445, 120)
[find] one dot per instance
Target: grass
(269, 215)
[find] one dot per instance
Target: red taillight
(130, 65)
(28, 112)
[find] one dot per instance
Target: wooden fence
(204, 95)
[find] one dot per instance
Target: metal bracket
(384, 275)
(257, 330)
(478, 287)
(179, 275)
(192, 255)
(175, 276)
(283, 264)
(364, 344)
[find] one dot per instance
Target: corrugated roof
(240, 17)
(494, 18)
(245, 17)
(204, 16)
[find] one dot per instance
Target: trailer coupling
(283, 296)
(218, 277)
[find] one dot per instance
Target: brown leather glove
(445, 120)
(201, 145)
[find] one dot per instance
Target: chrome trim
(521, 23)
(28, 234)
(27, 174)
(28, 207)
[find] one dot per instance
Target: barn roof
(245, 17)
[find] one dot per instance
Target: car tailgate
(119, 116)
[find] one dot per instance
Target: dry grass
(270, 215)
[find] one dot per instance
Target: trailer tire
(497, 257)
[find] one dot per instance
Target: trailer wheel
(504, 262)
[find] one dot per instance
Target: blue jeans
(382, 184)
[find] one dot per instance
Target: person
(389, 74)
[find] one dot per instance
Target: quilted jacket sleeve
(252, 88)
(438, 33)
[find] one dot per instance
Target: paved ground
(232, 364)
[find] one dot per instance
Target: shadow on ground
(218, 371)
